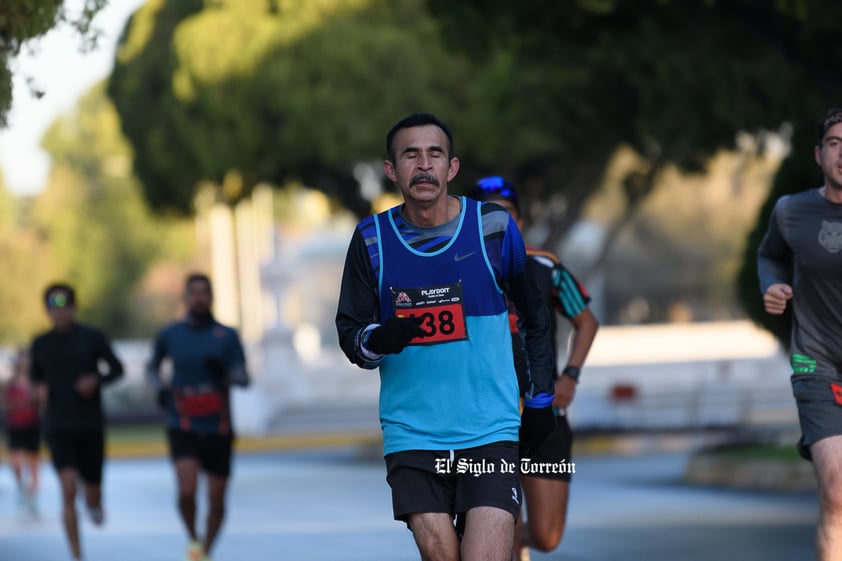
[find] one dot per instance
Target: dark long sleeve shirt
(59, 359)
(803, 248)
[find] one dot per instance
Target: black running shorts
(819, 409)
(212, 450)
(552, 460)
(83, 451)
(28, 439)
(454, 481)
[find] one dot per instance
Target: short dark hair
(60, 287)
(832, 117)
(198, 277)
(417, 120)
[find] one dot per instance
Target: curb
(632, 443)
(372, 443)
(753, 475)
(158, 448)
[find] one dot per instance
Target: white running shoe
(195, 551)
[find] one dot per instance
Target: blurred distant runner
(23, 428)
(65, 366)
(546, 494)
(800, 259)
(207, 358)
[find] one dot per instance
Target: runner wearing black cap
(546, 474)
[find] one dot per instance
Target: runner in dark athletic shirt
(207, 359)
(65, 367)
(800, 265)
(546, 494)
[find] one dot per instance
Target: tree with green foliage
(543, 92)
(92, 220)
(673, 80)
(301, 90)
(24, 20)
(26, 269)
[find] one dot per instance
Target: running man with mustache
(423, 298)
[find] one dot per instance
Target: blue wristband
(539, 401)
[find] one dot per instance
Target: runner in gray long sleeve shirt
(800, 259)
(803, 250)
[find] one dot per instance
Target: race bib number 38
(440, 308)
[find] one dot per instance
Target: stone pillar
(224, 265)
(281, 364)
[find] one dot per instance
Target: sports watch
(572, 371)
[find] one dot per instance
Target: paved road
(636, 508)
(334, 505)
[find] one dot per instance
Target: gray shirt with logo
(803, 248)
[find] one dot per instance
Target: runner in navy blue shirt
(206, 359)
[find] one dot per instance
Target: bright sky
(64, 73)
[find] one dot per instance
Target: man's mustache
(429, 178)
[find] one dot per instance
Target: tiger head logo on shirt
(830, 236)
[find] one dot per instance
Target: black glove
(536, 424)
(163, 398)
(217, 368)
(394, 335)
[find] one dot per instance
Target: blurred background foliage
(23, 20)
(669, 126)
(91, 225)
